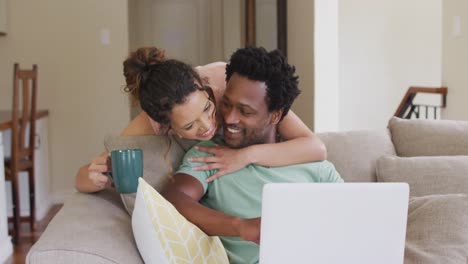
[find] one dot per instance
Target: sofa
(431, 155)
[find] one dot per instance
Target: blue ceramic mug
(127, 167)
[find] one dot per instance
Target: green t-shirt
(240, 193)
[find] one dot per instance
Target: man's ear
(275, 117)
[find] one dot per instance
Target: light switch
(105, 36)
(456, 31)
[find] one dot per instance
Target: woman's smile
(208, 133)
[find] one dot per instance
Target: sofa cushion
(437, 230)
(90, 228)
(355, 153)
(161, 156)
(163, 235)
(426, 175)
(429, 137)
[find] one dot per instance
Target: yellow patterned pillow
(163, 235)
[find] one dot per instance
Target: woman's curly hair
(159, 84)
(135, 64)
(164, 85)
(270, 67)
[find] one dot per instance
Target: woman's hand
(96, 170)
(224, 159)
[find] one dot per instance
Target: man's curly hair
(270, 67)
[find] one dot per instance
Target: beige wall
(191, 31)
(385, 47)
(79, 78)
(326, 83)
(367, 54)
(455, 60)
(301, 54)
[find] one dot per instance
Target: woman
(182, 101)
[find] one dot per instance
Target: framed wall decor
(3, 17)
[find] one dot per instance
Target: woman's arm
(90, 177)
(300, 145)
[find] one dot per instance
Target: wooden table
(6, 122)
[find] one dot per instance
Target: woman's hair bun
(136, 64)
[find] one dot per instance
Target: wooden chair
(22, 148)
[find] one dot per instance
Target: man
(261, 88)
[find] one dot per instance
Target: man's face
(246, 120)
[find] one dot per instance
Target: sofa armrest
(90, 228)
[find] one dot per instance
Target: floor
(28, 238)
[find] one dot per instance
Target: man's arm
(185, 191)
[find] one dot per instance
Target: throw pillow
(429, 137)
(163, 235)
(437, 230)
(426, 175)
(157, 168)
(343, 146)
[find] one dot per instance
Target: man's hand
(225, 160)
(249, 229)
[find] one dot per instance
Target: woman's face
(194, 119)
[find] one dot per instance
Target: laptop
(334, 223)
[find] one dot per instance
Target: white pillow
(163, 235)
